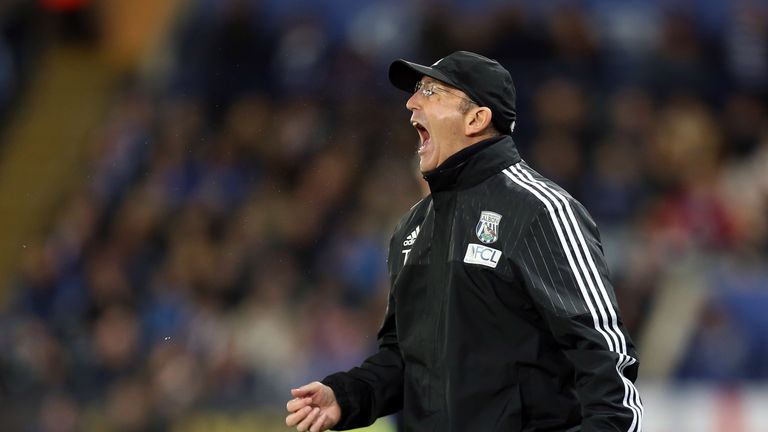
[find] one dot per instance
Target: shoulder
(524, 196)
(514, 193)
(547, 202)
(536, 191)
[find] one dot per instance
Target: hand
(314, 408)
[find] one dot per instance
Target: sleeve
(374, 389)
(563, 268)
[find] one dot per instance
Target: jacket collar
(473, 164)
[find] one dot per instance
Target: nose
(413, 102)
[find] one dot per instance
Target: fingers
(302, 414)
(306, 390)
(307, 422)
(298, 416)
(319, 425)
(296, 404)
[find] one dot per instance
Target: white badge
(483, 255)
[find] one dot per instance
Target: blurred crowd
(228, 238)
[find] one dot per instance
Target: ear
(477, 120)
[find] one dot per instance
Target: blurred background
(196, 196)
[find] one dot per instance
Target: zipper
(441, 238)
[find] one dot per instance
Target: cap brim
(404, 74)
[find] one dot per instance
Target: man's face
(439, 122)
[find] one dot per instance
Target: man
(501, 316)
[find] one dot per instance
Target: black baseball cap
(484, 80)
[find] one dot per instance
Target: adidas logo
(411, 239)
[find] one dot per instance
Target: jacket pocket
(419, 391)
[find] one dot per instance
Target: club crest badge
(487, 229)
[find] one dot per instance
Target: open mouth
(423, 136)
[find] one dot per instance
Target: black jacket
(501, 316)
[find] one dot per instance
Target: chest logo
(411, 239)
(487, 228)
